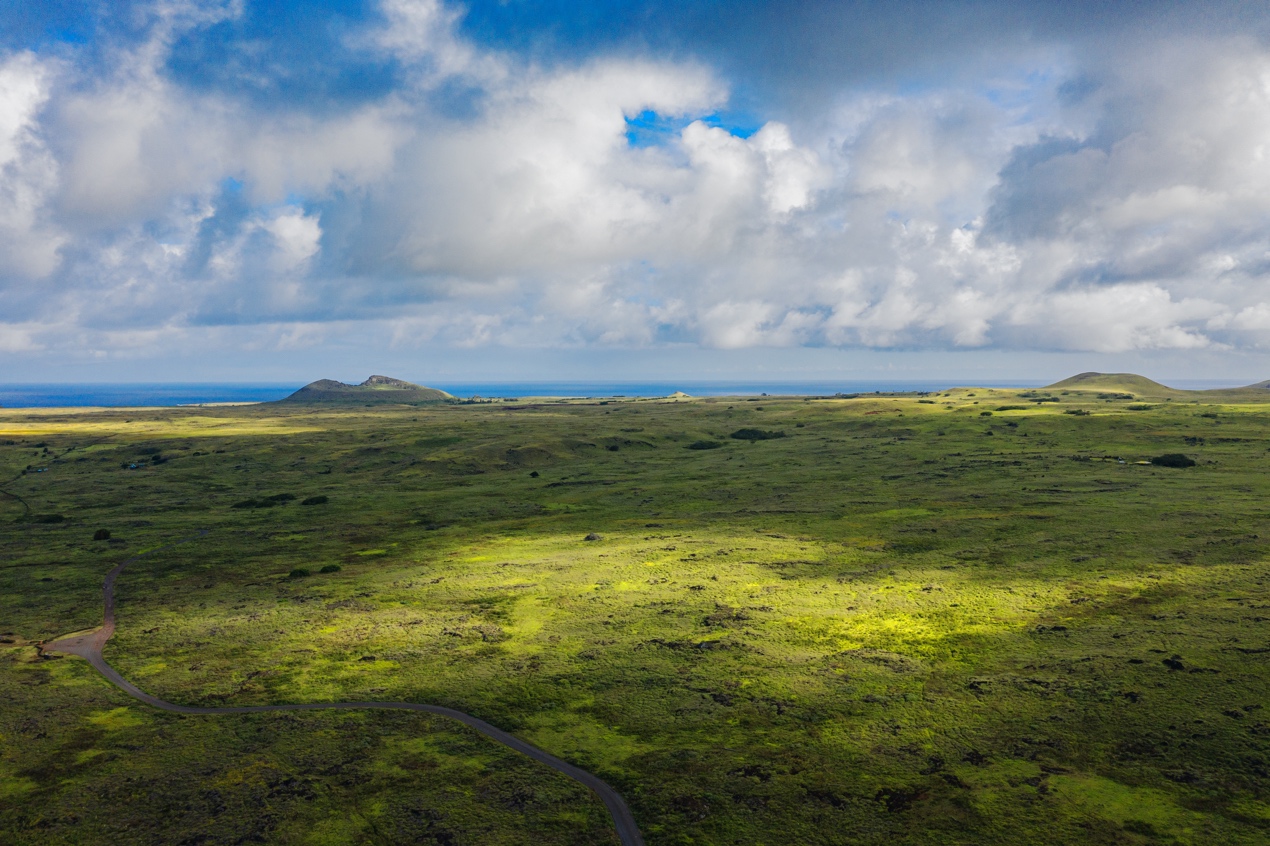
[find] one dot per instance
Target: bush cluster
(265, 501)
(756, 434)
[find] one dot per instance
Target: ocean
(76, 395)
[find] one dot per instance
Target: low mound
(376, 389)
(1118, 382)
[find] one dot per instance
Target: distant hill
(1128, 383)
(376, 389)
(1142, 387)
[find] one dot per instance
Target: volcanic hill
(376, 389)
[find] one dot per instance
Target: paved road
(89, 646)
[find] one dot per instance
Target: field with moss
(980, 616)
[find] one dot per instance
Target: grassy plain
(963, 618)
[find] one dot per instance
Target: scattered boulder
(101, 534)
(592, 537)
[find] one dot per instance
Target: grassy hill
(1143, 388)
(1128, 383)
(376, 389)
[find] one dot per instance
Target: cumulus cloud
(29, 237)
(1064, 201)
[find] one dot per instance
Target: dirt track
(89, 646)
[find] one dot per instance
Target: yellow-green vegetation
(904, 621)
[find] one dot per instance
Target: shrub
(1173, 459)
(299, 573)
(264, 501)
(47, 518)
(1011, 408)
(705, 445)
(101, 534)
(330, 568)
(1076, 412)
(985, 414)
(320, 499)
(756, 435)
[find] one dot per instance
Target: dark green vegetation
(377, 390)
(1173, 459)
(705, 445)
(751, 434)
(901, 623)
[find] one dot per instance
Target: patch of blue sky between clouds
(650, 129)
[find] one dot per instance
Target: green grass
(901, 622)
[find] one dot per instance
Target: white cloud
(422, 34)
(29, 239)
(296, 237)
(1130, 216)
(19, 338)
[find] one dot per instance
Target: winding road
(89, 646)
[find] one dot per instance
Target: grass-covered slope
(975, 617)
(1116, 382)
(375, 390)
(1141, 387)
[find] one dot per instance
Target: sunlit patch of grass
(1141, 810)
(14, 787)
(116, 719)
(583, 738)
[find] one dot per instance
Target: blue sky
(241, 189)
